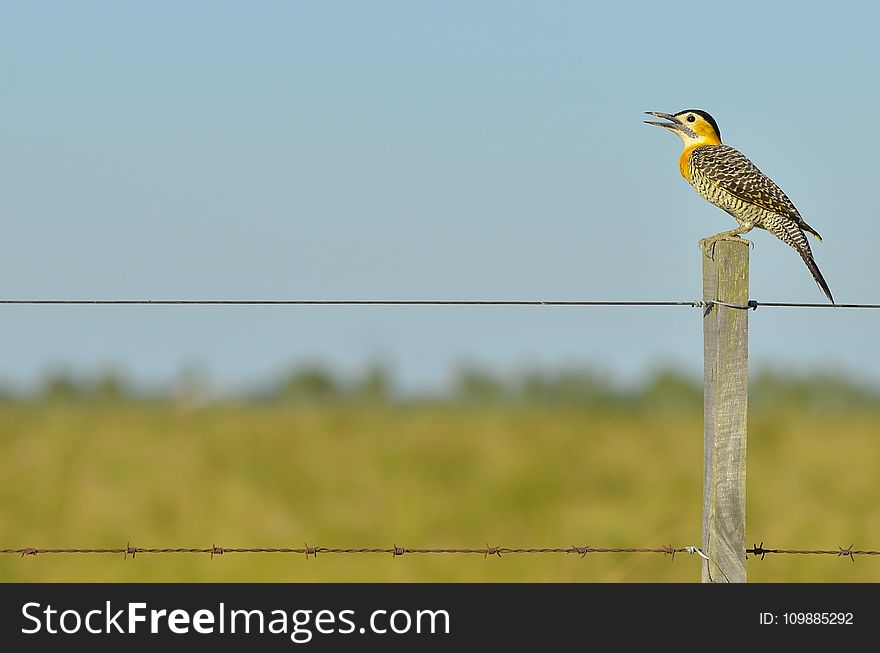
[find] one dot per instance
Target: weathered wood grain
(726, 377)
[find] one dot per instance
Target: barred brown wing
(730, 169)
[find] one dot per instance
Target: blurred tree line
(665, 389)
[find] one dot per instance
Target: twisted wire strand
(758, 551)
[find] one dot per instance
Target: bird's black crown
(705, 116)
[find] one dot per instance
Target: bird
(725, 177)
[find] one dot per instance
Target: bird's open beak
(673, 124)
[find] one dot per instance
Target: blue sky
(420, 150)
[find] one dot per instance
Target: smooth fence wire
(752, 304)
(758, 551)
(344, 302)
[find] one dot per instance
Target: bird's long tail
(817, 275)
(791, 234)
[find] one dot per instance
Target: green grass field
(94, 475)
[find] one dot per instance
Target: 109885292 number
(818, 618)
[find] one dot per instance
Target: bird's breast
(684, 163)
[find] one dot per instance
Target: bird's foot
(708, 244)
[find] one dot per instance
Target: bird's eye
(691, 118)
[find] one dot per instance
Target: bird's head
(693, 126)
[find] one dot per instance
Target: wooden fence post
(726, 377)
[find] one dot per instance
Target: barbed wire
(757, 550)
(752, 304)
(313, 551)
